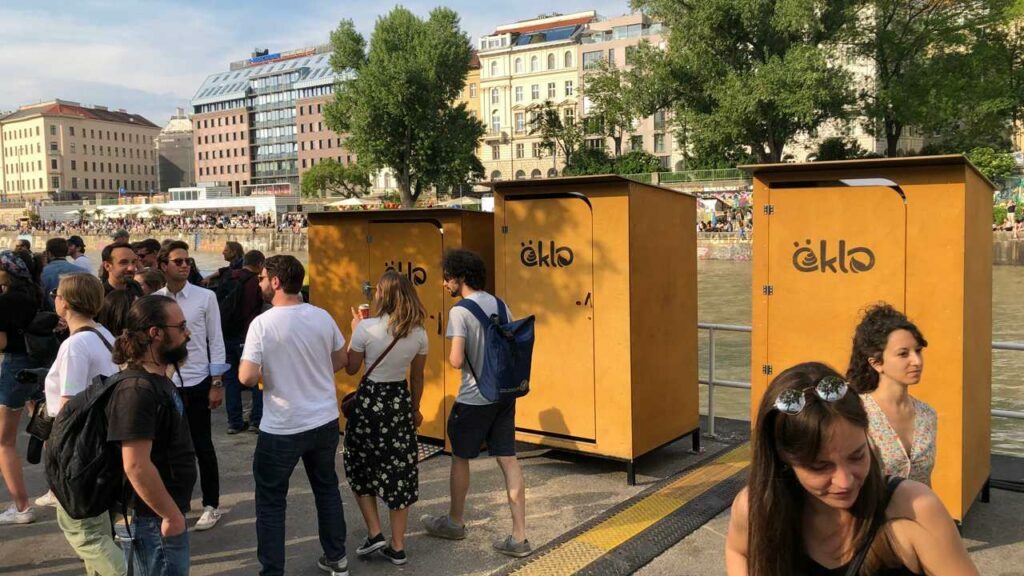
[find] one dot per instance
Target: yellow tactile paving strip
(594, 543)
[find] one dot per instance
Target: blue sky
(150, 56)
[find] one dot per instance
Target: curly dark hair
(465, 266)
(869, 341)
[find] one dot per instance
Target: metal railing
(711, 382)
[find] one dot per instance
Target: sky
(150, 57)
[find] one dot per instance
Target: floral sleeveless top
(895, 461)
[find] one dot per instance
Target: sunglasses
(178, 261)
(53, 294)
(829, 389)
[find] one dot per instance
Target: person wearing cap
(57, 266)
(76, 250)
(121, 237)
(20, 299)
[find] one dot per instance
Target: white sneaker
(12, 516)
(47, 499)
(209, 518)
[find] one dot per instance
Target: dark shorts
(470, 426)
(14, 394)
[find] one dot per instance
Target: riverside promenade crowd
(162, 224)
(153, 347)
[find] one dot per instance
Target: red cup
(364, 311)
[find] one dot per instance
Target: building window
(74, 165)
(659, 120)
(53, 163)
(568, 87)
(496, 175)
(636, 143)
(520, 151)
(72, 147)
(71, 130)
(53, 146)
(495, 152)
(537, 150)
(518, 67)
(591, 59)
(495, 95)
(569, 116)
(534, 64)
(611, 57)
(535, 174)
(551, 89)
(520, 175)
(595, 143)
(53, 129)
(551, 61)
(520, 122)
(659, 143)
(55, 182)
(519, 93)
(472, 90)
(495, 122)
(494, 68)
(535, 91)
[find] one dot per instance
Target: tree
(926, 71)
(637, 162)
(396, 101)
(558, 135)
(750, 72)
(994, 165)
(838, 148)
(590, 161)
(613, 106)
(331, 178)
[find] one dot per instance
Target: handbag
(348, 402)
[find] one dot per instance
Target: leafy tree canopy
(331, 178)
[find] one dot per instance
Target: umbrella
(348, 202)
(463, 201)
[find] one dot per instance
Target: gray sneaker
(443, 527)
(510, 547)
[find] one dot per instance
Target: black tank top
(815, 569)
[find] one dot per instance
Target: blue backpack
(508, 353)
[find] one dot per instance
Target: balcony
(290, 139)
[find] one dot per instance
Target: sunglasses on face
(829, 389)
(53, 294)
(178, 261)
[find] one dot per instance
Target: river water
(724, 298)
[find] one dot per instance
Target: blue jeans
(14, 394)
(233, 389)
(272, 466)
(152, 554)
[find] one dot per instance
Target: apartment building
(175, 154)
(260, 125)
(63, 150)
(523, 65)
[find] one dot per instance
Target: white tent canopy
(463, 201)
(348, 202)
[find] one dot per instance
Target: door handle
(438, 324)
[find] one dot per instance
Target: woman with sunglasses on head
(817, 502)
(887, 359)
(380, 436)
(20, 299)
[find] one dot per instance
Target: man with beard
(148, 251)
(120, 264)
(146, 417)
(200, 377)
(297, 348)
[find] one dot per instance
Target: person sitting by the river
(816, 500)
(232, 253)
(887, 359)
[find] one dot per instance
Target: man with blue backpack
(488, 344)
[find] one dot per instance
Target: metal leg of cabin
(695, 438)
(986, 491)
(631, 472)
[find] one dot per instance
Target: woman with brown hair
(816, 500)
(380, 437)
(887, 359)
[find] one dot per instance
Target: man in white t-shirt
(474, 419)
(297, 348)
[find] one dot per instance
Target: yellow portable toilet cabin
(609, 268)
(832, 238)
(348, 252)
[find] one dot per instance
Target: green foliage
(994, 165)
(999, 215)
(935, 66)
(396, 104)
(637, 162)
(331, 178)
(746, 72)
(590, 161)
(614, 104)
(557, 135)
(838, 148)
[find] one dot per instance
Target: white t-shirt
(84, 263)
(81, 358)
(372, 338)
(462, 322)
(293, 345)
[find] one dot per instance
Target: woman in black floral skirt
(380, 437)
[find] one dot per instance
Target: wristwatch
(216, 383)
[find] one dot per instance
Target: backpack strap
(892, 482)
(475, 310)
(98, 335)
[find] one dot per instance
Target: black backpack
(83, 469)
(41, 344)
(230, 299)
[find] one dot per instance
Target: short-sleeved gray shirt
(462, 322)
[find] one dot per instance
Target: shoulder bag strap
(98, 334)
(380, 358)
(891, 483)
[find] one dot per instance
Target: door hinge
(769, 209)
(767, 289)
(504, 229)
(766, 369)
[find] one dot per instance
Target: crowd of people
(138, 225)
(155, 348)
